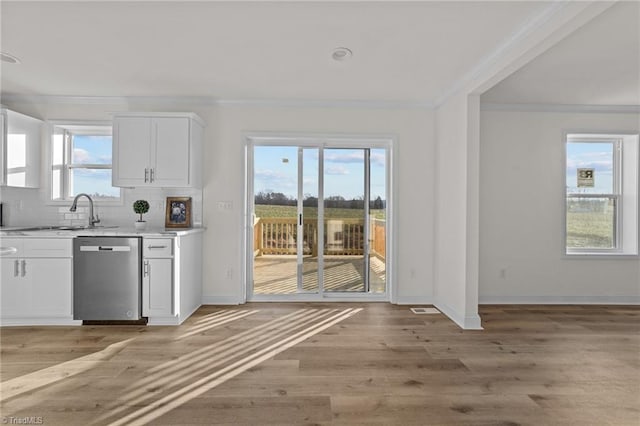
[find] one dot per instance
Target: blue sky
(92, 150)
(598, 156)
(276, 169)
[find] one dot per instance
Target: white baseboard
(559, 300)
(466, 322)
(183, 317)
(414, 300)
(163, 321)
(221, 300)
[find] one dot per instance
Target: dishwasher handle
(105, 248)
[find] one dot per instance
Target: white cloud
(271, 180)
(349, 157)
(377, 158)
(81, 156)
(336, 170)
(356, 157)
(597, 160)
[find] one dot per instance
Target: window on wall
(81, 162)
(601, 194)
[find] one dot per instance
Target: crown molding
(212, 101)
(105, 100)
(300, 103)
(595, 109)
(309, 103)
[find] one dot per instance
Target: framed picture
(178, 212)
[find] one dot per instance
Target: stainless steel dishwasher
(107, 278)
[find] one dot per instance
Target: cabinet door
(157, 288)
(15, 290)
(3, 146)
(51, 285)
(170, 153)
(21, 150)
(131, 147)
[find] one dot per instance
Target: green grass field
(590, 226)
(312, 212)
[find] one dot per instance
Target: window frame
(625, 184)
(68, 129)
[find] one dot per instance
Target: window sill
(603, 256)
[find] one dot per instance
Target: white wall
(456, 262)
(225, 175)
(521, 213)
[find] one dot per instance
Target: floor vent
(421, 311)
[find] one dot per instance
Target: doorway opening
(318, 218)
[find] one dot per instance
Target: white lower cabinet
(36, 283)
(16, 290)
(51, 287)
(36, 279)
(157, 288)
(172, 278)
(157, 278)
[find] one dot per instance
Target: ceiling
(402, 51)
(598, 64)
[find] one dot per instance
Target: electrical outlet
(229, 273)
(225, 205)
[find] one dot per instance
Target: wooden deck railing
(379, 238)
(341, 236)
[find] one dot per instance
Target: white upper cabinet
(20, 150)
(157, 150)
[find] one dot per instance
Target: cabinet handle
(146, 175)
(16, 268)
(156, 247)
(24, 267)
(151, 178)
(145, 269)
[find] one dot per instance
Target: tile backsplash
(23, 207)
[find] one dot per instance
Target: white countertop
(23, 231)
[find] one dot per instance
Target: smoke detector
(341, 54)
(8, 58)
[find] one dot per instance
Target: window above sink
(81, 161)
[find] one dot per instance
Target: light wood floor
(368, 364)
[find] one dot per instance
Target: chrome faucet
(74, 206)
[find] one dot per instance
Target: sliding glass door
(346, 206)
(318, 220)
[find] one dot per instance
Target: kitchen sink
(82, 228)
(62, 228)
(70, 228)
